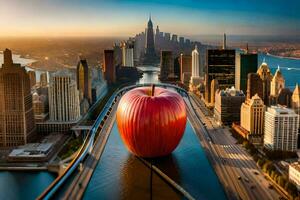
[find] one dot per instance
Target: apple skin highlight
(151, 121)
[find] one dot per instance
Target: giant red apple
(151, 121)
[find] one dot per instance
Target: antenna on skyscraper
(247, 48)
(224, 41)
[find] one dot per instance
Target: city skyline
(127, 17)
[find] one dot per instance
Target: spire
(7, 55)
(150, 16)
(247, 48)
(224, 41)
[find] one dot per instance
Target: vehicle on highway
(252, 186)
(246, 179)
(239, 177)
(256, 172)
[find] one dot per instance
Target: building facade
(83, 79)
(149, 56)
(127, 54)
(228, 105)
(296, 99)
(109, 68)
(17, 125)
(166, 65)
(43, 79)
(63, 95)
(220, 65)
(245, 63)
(294, 174)
(281, 129)
(252, 118)
(185, 68)
(32, 78)
(195, 78)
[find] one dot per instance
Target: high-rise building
(83, 79)
(284, 97)
(260, 83)
(181, 41)
(228, 105)
(32, 78)
(127, 54)
(185, 68)
(245, 63)
(150, 56)
(167, 36)
(166, 64)
(195, 78)
(224, 46)
(17, 126)
(252, 118)
(220, 65)
(277, 83)
(296, 99)
(63, 95)
(174, 38)
(281, 129)
(109, 68)
(43, 80)
(40, 107)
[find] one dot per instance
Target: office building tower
(296, 99)
(174, 38)
(228, 105)
(181, 41)
(166, 65)
(43, 79)
(245, 63)
(281, 129)
(127, 54)
(109, 68)
(40, 107)
(284, 97)
(195, 78)
(266, 77)
(252, 118)
(83, 79)
(260, 83)
(220, 65)
(32, 78)
(17, 126)
(150, 56)
(277, 83)
(185, 68)
(63, 95)
(214, 87)
(167, 36)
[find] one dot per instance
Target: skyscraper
(32, 78)
(127, 54)
(245, 63)
(166, 65)
(252, 118)
(277, 83)
(260, 83)
(220, 65)
(195, 78)
(228, 105)
(185, 68)
(109, 68)
(43, 80)
(149, 57)
(83, 79)
(281, 129)
(63, 95)
(17, 125)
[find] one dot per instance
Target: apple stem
(152, 90)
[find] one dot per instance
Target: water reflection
(135, 182)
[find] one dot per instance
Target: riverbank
(284, 57)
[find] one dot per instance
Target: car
(270, 186)
(256, 172)
(239, 177)
(247, 180)
(252, 186)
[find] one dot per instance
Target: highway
(236, 169)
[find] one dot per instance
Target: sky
(128, 17)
